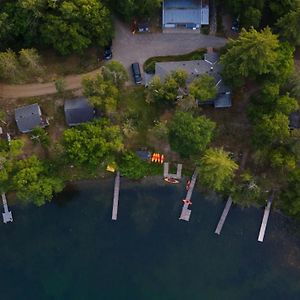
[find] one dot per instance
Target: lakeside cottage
(209, 65)
(28, 117)
(78, 111)
(186, 14)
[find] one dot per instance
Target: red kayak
(171, 180)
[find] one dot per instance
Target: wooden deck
(186, 212)
(264, 222)
(7, 215)
(116, 197)
(170, 175)
(224, 215)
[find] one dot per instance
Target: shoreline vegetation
(245, 151)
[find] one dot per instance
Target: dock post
(116, 197)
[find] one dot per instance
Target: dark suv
(136, 73)
(108, 51)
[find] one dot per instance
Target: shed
(29, 117)
(78, 111)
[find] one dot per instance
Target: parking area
(129, 48)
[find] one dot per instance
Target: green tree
(33, 183)
(168, 89)
(187, 103)
(271, 129)
(290, 196)
(286, 105)
(216, 169)
(190, 135)
(101, 93)
(40, 135)
(203, 88)
(115, 72)
(92, 144)
(76, 24)
(130, 9)
(288, 26)
(30, 60)
(9, 66)
(60, 85)
(283, 159)
(292, 84)
(252, 17)
(251, 55)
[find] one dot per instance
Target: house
(294, 120)
(190, 14)
(78, 111)
(28, 117)
(195, 68)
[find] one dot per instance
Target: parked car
(136, 73)
(235, 25)
(107, 54)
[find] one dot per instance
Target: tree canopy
(33, 182)
(92, 144)
(190, 135)
(255, 54)
(216, 169)
(68, 26)
(203, 88)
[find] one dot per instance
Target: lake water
(70, 249)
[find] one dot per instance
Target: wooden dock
(224, 215)
(170, 175)
(265, 219)
(186, 212)
(7, 215)
(116, 197)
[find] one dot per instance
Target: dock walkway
(186, 212)
(116, 197)
(265, 219)
(224, 215)
(7, 215)
(170, 175)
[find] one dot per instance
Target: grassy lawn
(149, 65)
(136, 113)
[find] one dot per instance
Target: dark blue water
(70, 249)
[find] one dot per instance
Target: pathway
(186, 212)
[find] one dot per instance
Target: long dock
(7, 215)
(116, 197)
(223, 216)
(186, 212)
(265, 219)
(170, 175)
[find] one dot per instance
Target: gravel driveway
(129, 48)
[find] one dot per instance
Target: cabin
(28, 117)
(78, 111)
(187, 14)
(194, 68)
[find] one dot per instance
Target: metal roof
(28, 117)
(185, 12)
(78, 111)
(193, 68)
